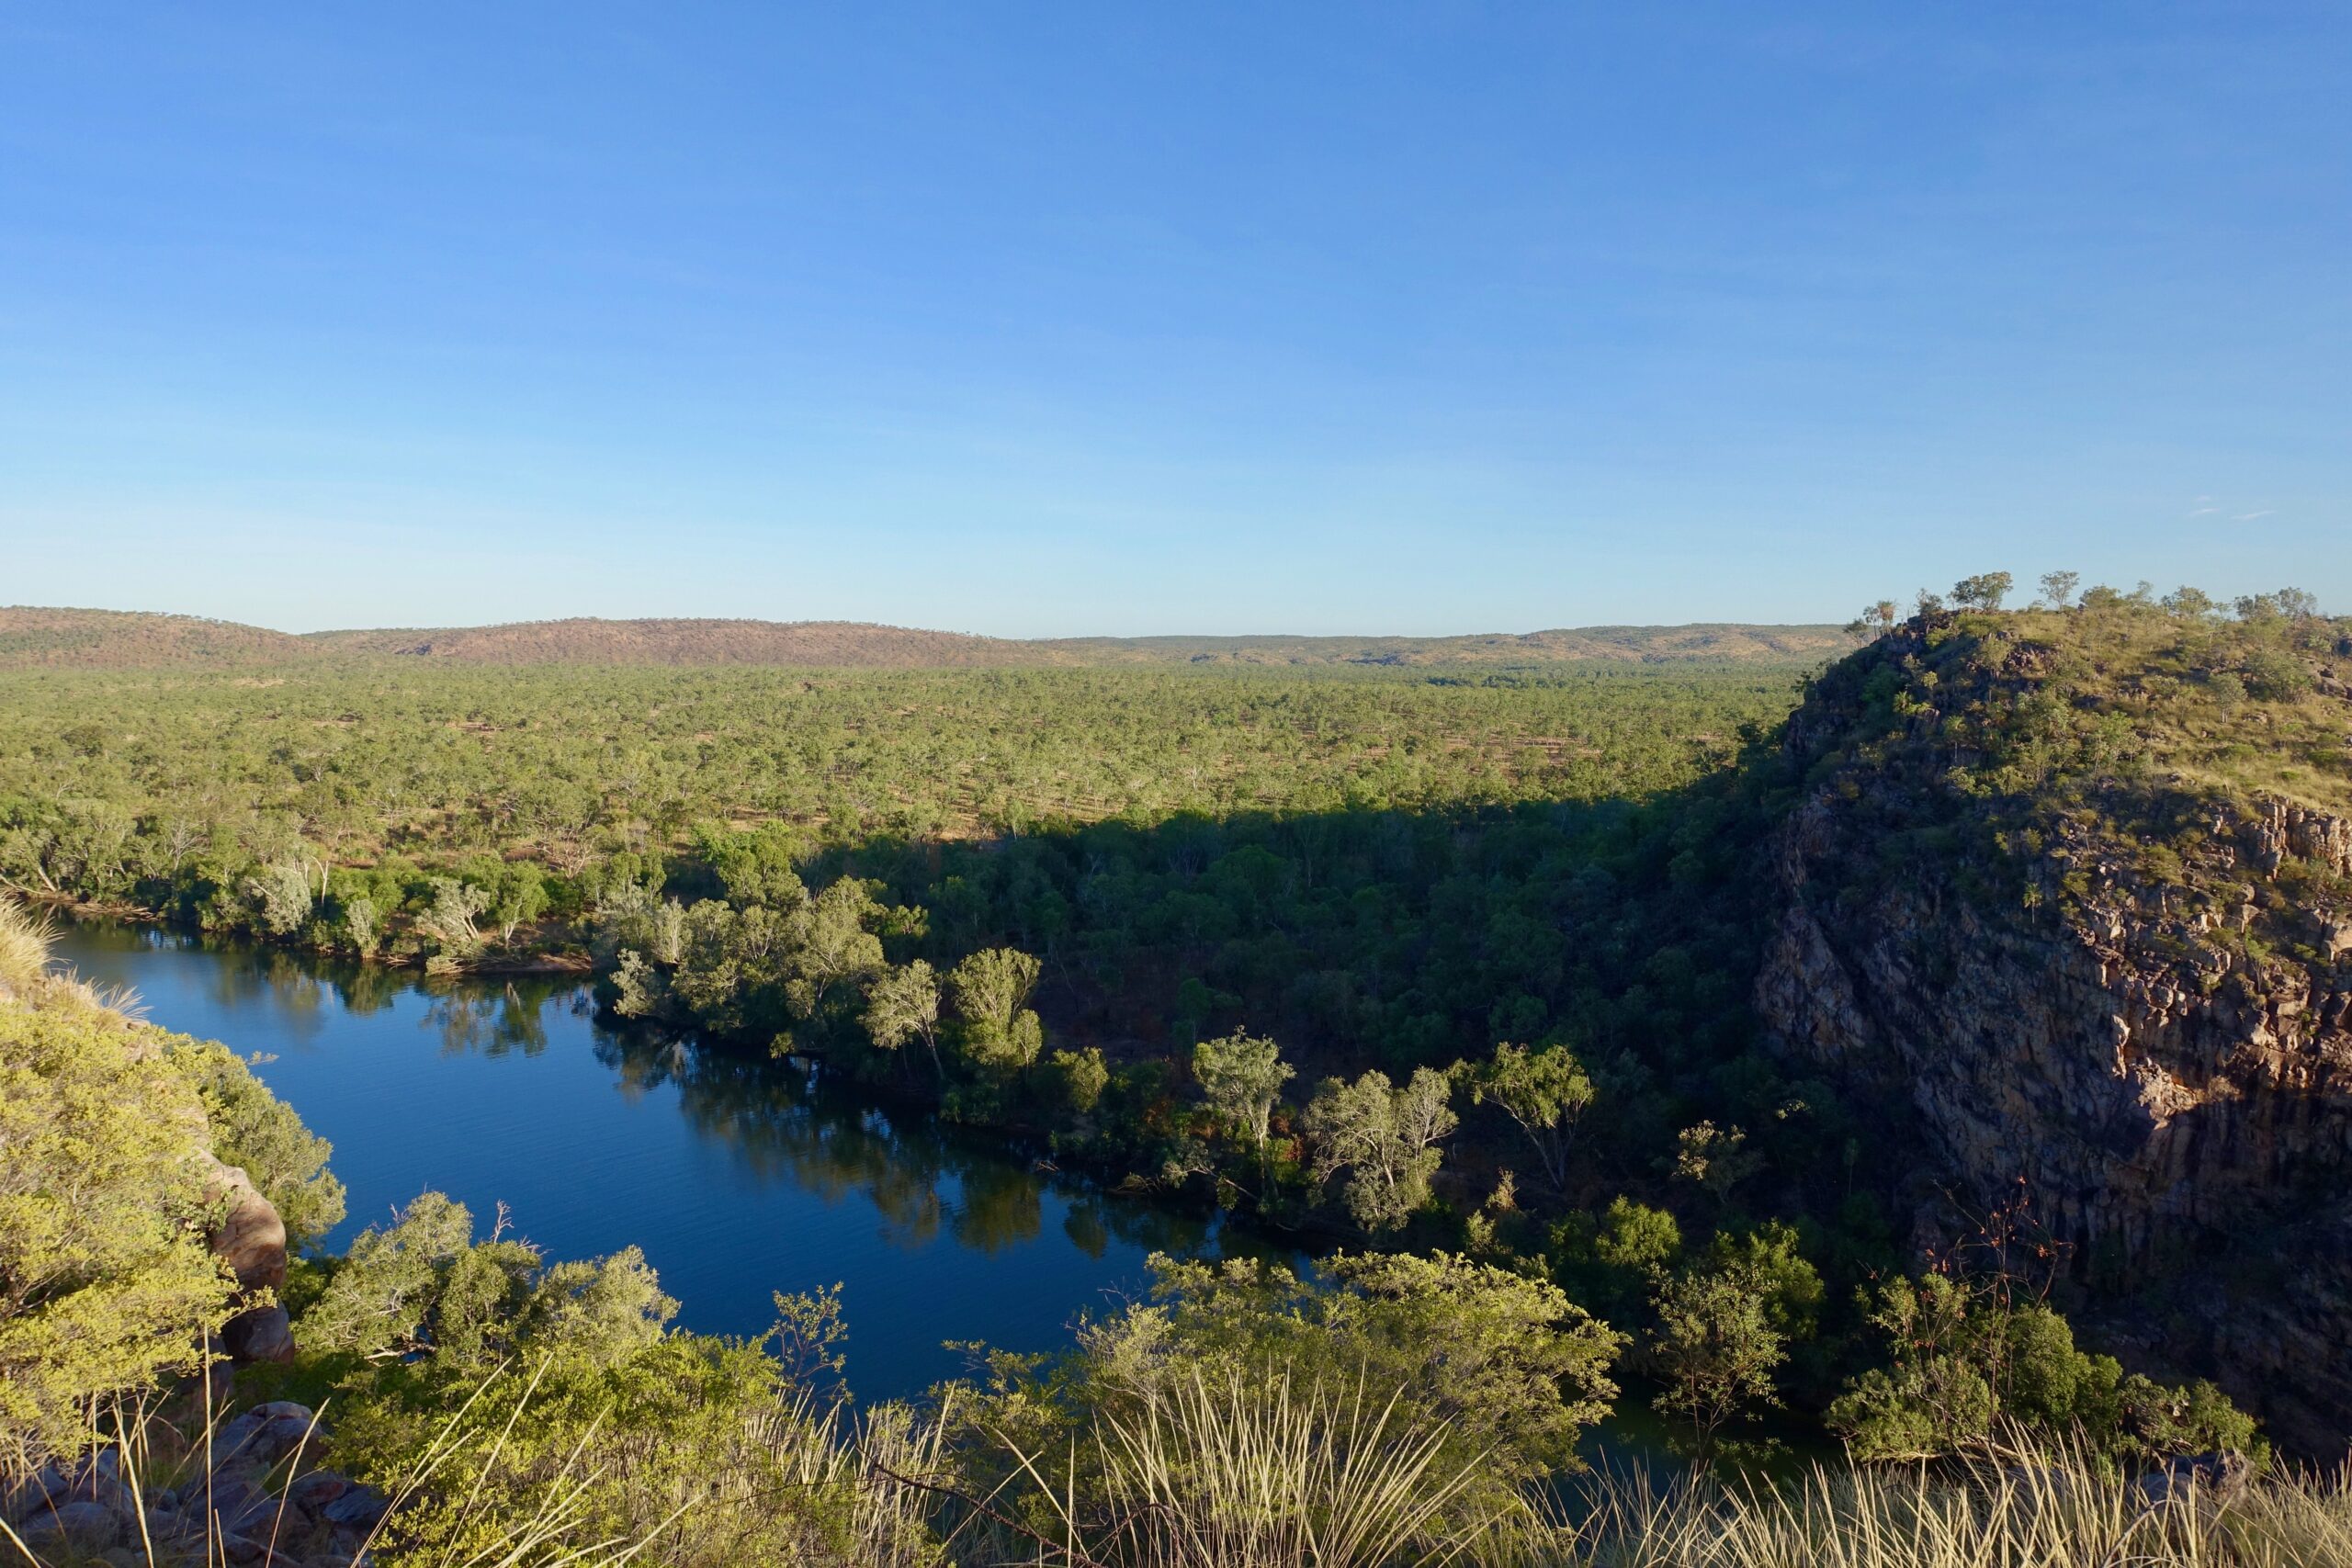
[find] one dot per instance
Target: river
(737, 1178)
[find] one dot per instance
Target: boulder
(251, 1237)
(261, 1437)
(359, 1507)
(34, 1495)
(81, 1526)
(2211, 1478)
(317, 1489)
(262, 1334)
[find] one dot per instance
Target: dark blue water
(737, 1178)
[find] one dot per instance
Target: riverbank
(737, 1175)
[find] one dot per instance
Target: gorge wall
(2123, 986)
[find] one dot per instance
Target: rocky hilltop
(2071, 893)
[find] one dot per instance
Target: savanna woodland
(1916, 1072)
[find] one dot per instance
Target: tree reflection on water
(781, 1123)
(778, 1122)
(496, 1018)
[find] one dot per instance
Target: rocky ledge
(249, 1503)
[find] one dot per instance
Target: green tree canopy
(1242, 1075)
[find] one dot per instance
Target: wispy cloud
(2204, 507)
(2250, 517)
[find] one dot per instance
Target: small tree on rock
(1983, 591)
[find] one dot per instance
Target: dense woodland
(1448, 973)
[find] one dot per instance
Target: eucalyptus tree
(1383, 1138)
(1241, 1076)
(1543, 1091)
(903, 1004)
(990, 989)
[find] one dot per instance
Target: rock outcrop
(251, 1239)
(245, 1498)
(2163, 1058)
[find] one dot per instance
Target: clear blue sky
(1035, 320)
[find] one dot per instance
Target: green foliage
(1983, 592)
(1076, 1079)
(281, 897)
(806, 970)
(1614, 1261)
(1492, 1362)
(1715, 1350)
(232, 777)
(1714, 1159)
(254, 1130)
(106, 1285)
(699, 1444)
(902, 1005)
(423, 1284)
(1963, 1365)
(1543, 1091)
(1241, 1076)
(995, 1028)
(1384, 1139)
(1767, 1262)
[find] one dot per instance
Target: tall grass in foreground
(2051, 1515)
(1223, 1475)
(1219, 1478)
(163, 1478)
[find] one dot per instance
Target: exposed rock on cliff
(251, 1239)
(2065, 889)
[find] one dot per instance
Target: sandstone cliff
(2042, 894)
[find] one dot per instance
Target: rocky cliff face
(2128, 989)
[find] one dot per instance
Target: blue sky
(1108, 317)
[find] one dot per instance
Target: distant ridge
(584, 640)
(1726, 642)
(33, 637)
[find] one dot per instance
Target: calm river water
(736, 1177)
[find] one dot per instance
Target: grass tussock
(1209, 1475)
(25, 939)
(28, 978)
(2038, 1516)
(1216, 1477)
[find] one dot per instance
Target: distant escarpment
(2071, 893)
(37, 638)
(34, 638)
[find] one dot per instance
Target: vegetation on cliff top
(2127, 744)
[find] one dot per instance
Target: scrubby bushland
(1381, 959)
